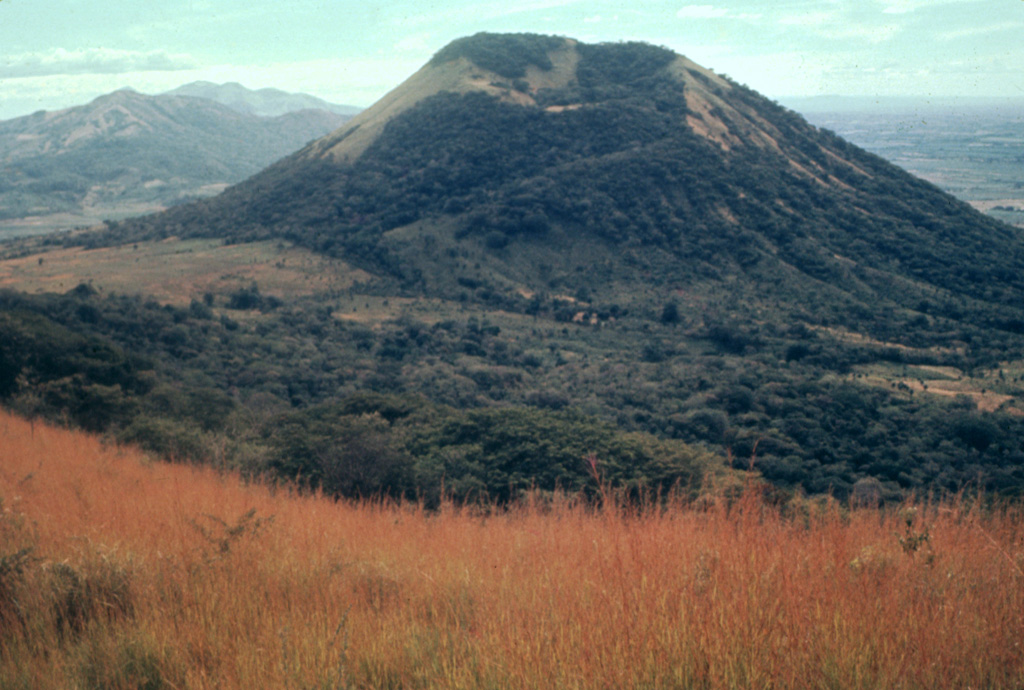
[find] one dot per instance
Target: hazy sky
(58, 53)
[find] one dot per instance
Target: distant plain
(974, 151)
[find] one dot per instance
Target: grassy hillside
(118, 572)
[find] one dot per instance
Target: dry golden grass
(176, 271)
(148, 575)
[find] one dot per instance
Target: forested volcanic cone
(536, 159)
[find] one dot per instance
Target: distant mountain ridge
(264, 102)
(126, 152)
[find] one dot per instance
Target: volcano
(540, 158)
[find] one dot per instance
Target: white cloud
(975, 31)
(908, 6)
(837, 25)
(810, 19)
(422, 43)
(901, 6)
(702, 12)
(92, 61)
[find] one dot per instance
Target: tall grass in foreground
(116, 572)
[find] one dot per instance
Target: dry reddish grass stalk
(143, 574)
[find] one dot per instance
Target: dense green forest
(490, 410)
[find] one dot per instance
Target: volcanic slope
(539, 155)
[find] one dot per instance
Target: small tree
(670, 313)
(246, 298)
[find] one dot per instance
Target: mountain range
(531, 228)
(262, 102)
(125, 153)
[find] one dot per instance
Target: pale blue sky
(58, 53)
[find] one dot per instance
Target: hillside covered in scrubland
(532, 252)
(117, 571)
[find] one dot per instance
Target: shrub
(12, 580)
(98, 590)
(341, 454)
(128, 663)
